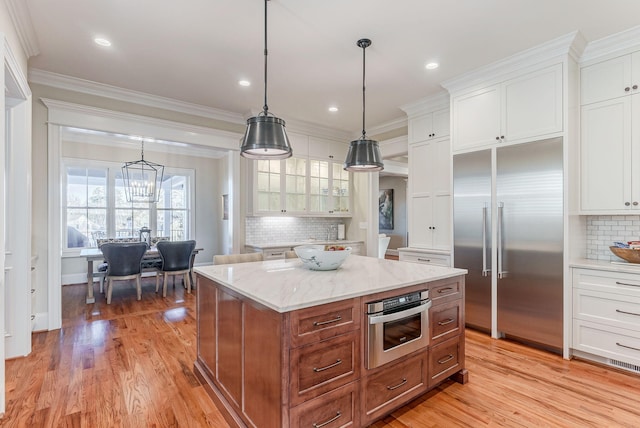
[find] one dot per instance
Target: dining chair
(225, 259)
(123, 263)
(176, 260)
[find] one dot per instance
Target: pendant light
(142, 180)
(265, 137)
(364, 154)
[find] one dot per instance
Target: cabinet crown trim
(500, 70)
(611, 46)
(427, 105)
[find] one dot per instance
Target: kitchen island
(283, 346)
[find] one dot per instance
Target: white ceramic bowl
(315, 257)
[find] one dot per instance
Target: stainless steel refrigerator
(508, 233)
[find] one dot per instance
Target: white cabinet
(610, 79)
(429, 126)
(424, 257)
(606, 316)
(517, 110)
(610, 156)
(281, 186)
(429, 216)
(326, 149)
(329, 183)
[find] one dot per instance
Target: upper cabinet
(521, 109)
(429, 126)
(311, 183)
(610, 136)
(617, 77)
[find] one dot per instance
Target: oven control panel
(392, 303)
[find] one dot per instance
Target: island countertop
(286, 285)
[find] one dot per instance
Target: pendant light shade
(265, 137)
(364, 154)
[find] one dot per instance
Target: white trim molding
(611, 46)
(427, 105)
(19, 13)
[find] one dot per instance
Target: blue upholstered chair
(123, 263)
(176, 260)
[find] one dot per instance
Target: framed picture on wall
(385, 205)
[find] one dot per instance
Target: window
(96, 205)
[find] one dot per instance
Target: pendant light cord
(142, 153)
(265, 107)
(364, 133)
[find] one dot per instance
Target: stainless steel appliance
(520, 257)
(397, 327)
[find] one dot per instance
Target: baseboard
(75, 278)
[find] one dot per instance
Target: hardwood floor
(130, 364)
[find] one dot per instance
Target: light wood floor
(129, 364)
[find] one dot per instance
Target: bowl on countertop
(628, 254)
(322, 257)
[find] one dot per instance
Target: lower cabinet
(305, 368)
(438, 258)
(606, 317)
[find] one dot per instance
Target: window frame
(112, 169)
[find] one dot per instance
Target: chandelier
(142, 180)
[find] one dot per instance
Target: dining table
(94, 254)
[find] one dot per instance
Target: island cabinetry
(389, 387)
(322, 322)
(336, 409)
(445, 359)
(606, 317)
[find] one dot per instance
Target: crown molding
(21, 18)
(619, 44)
(61, 81)
(398, 123)
(427, 105)
(16, 85)
(497, 71)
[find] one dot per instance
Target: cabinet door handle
(634, 87)
(626, 346)
(335, 418)
(445, 322)
(627, 89)
(391, 388)
(502, 137)
(628, 313)
(277, 254)
(625, 283)
(331, 321)
(497, 138)
(635, 203)
(626, 204)
(321, 369)
(445, 290)
(445, 359)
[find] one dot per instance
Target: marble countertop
(271, 245)
(286, 285)
(606, 265)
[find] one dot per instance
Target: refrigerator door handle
(485, 271)
(501, 274)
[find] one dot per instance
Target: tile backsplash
(603, 230)
(261, 230)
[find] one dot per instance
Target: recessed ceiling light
(333, 109)
(244, 83)
(432, 66)
(102, 42)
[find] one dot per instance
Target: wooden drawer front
(605, 341)
(322, 322)
(445, 291)
(608, 308)
(445, 321)
(444, 360)
(394, 385)
(323, 366)
(335, 409)
(429, 259)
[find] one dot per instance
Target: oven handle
(378, 319)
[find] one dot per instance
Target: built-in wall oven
(397, 326)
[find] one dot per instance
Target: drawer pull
(277, 254)
(423, 260)
(445, 290)
(391, 388)
(625, 283)
(445, 322)
(335, 418)
(321, 369)
(319, 323)
(628, 347)
(445, 359)
(628, 313)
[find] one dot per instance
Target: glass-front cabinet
(314, 185)
(281, 186)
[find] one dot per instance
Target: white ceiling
(196, 50)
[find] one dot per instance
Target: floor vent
(626, 366)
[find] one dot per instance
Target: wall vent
(626, 366)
